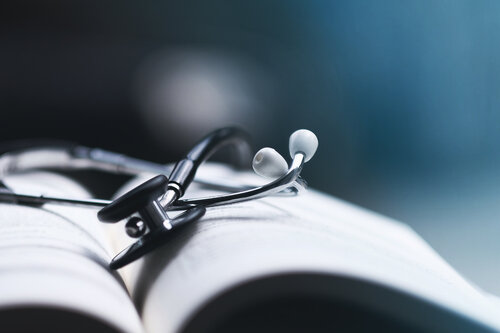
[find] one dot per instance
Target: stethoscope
(146, 206)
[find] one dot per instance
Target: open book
(309, 263)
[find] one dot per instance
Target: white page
(308, 233)
(56, 256)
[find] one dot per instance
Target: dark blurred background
(403, 95)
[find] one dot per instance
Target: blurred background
(404, 96)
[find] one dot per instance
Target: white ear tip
(303, 141)
(269, 163)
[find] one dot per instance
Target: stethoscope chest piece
(147, 219)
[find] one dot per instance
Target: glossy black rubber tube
(185, 170)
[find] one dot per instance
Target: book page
(56, 257)
(312, 233)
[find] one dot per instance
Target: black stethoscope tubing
(79, 157)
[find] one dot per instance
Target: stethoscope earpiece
(268, 163)
(303, 141)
